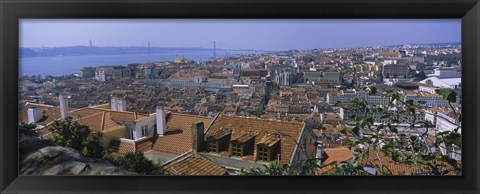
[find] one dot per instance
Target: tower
(214, 49)
(149, 51)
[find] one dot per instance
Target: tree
(27, 129)
(72, 134)
(374, 144)
(93, 146)
(137, 162)
(408, 146)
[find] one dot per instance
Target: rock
(70, 167)
(40, 157)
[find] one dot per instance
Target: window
(263, 153)
(237, 149)
(213, 146)
(144, 130)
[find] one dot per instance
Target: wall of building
(137, 128)
(120, 133)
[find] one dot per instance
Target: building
(39, 114)
(330, 118)
(451, 83)
(416, 59)
(284, 77)
(238, 142)
(431, 100)
(396, 71)
(174, 134)
(87, 72)
(105, 73)
(254, 72)
(193, 164)
(349, 115)
(346, 97)
(115, 123)
(331, 78)
(446, 122)
(446, 72)
(392, 55)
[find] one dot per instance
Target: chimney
(320, 152)
(34, 115)
(63, 106)
(197, 136)
(161, 121)
(118, 104)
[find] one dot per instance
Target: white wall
(34, 115)
(137, 128)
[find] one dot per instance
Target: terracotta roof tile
(193, 164)
(100, 122)
(290, 132)
(178, 136)
(121, 147)
(114, 115)
(344, 154)
(332, 155)
(50, 113)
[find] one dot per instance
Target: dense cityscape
(234, 114)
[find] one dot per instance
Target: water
(64, 65)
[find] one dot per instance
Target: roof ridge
(86, 117)
(102, 124)
(182, 114)
(185, 154)
(116, 111)
(31, 103)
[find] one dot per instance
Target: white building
(347, 97)
(446, 122)
(451, 83)
(446, 72)
(431, 100)
(405, 118)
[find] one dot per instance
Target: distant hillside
(427, 44)
(86, 50)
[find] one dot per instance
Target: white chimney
(118, 104)
(320, 153)
(63, 106)
(34, 115)
(161, 121)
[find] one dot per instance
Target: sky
(256, 34)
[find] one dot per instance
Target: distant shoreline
(111, 50)
(93, 50)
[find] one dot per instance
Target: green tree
(137, 162)
(93, 146)
(406, 145)
(27, 129)
(72, 134)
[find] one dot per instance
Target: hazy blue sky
(247, 34)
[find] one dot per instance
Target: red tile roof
(50, 113)
(178, 135)
(193, 164)
(288, 132)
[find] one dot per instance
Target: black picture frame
(13, 10)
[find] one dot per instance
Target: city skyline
(272, 35)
